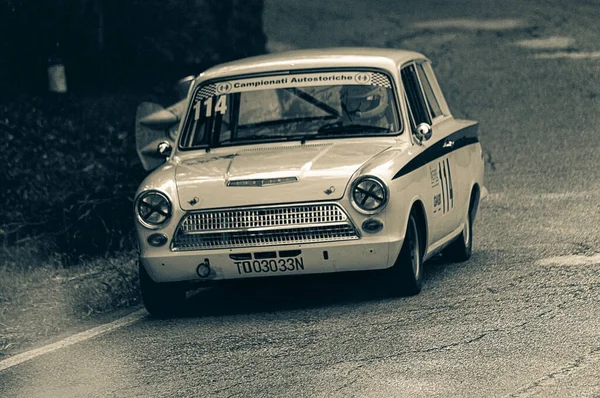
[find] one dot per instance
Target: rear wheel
(407, 272)
(461, 249)
(160, 299)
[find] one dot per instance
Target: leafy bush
(69, 165)
(70, 171)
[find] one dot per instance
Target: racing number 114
(221, 106)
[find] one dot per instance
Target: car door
(425, 106)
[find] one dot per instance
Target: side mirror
(423, 132)
(164, 149)
(183, 87)
(153, 126)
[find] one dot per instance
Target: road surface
(521, 319)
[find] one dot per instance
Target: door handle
(448, 144)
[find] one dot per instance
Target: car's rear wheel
(462, 247)
(407, 272)
(160, 299)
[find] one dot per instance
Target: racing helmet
(365, 101)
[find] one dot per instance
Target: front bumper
(252, 262)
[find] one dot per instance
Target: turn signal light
(157, 240)
(372, 226)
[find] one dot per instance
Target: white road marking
(473, 24)
(548, 43)
(76, 338)
(569, 55)
(572, 260)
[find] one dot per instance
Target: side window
(416, 100)
(432, 102)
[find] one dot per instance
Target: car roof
(342, 57)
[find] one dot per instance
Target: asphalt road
(521, 319)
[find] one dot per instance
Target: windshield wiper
(266, 138)
(327, 129)
(338, 128)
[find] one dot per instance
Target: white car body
(234, 194)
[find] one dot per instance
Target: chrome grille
(260, 218)
(264, 227)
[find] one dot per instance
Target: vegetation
(133, 42)
(70, 162)
(70, 168)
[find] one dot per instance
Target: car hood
(283, 173)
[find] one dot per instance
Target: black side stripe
(461, 138)
(447, 186)
(450, 183)
(443, 182)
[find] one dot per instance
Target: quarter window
(432, 102)
(416, 101)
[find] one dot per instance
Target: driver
(366, 104)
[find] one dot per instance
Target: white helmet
(365, 101)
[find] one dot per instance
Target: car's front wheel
(407, 273)
(160, 299)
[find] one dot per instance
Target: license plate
(268, 262)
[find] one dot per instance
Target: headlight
(153, 209)
(369, 195)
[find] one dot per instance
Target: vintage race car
(305, 162)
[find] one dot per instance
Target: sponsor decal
(437, 202)
(294, 80)
(300, 80)
(435, 179)
(441, 181)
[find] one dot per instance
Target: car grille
(264, 227)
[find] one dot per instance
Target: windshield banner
(291, 81)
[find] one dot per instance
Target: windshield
(291, 107)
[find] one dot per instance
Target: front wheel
(407, 272)
(160, 299)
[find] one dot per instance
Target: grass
(41, 298)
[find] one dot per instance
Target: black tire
(161, 299)
(462, 247)
(407, 272)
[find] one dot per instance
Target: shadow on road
(284, 294)
(278, 294)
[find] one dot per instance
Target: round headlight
(369, 195)
(153, 209)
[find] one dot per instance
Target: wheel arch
(474, 201)
(419, 210)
